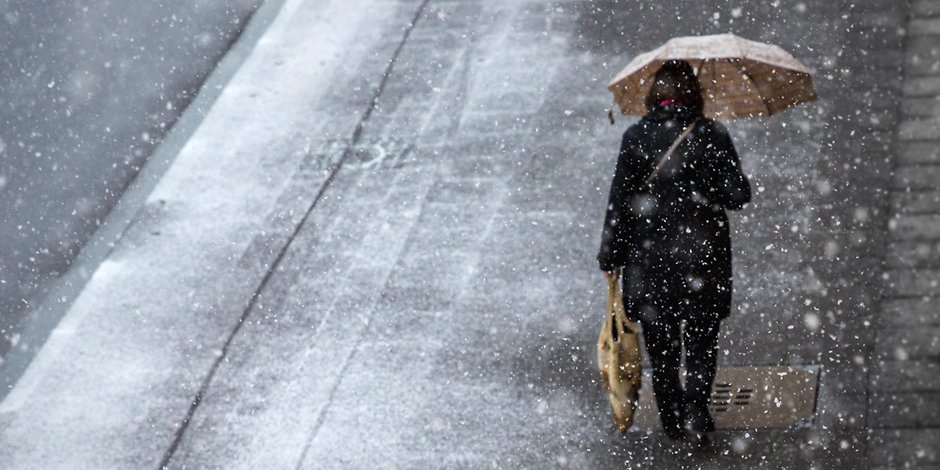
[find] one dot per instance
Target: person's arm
(726, 183)
(609, 255)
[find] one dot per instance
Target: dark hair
(675, 80)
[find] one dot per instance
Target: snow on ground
(439, 306)
(149, 322)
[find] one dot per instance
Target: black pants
(676, 324)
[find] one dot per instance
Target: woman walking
(666, 231)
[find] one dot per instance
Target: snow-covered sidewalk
(112, 384)
(435, 302)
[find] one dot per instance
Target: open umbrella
(740, 78)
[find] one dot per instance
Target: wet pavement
(378, 250)
(89, 91)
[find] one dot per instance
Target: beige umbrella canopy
(740, 78)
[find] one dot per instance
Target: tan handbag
(618, 358)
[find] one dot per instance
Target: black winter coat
(671, 235)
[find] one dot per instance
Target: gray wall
(87, 90)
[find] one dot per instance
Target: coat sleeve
(610, 256)
(726, 183)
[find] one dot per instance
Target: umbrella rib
(756, 87)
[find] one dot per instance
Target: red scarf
(669, 101)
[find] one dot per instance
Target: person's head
(676, 81)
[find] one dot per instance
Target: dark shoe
(676, 433)
(699, 440)
(698, 419)
(673, 421)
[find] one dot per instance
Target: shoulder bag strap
(672, 148)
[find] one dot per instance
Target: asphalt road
(433, 301)
(88, 90)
